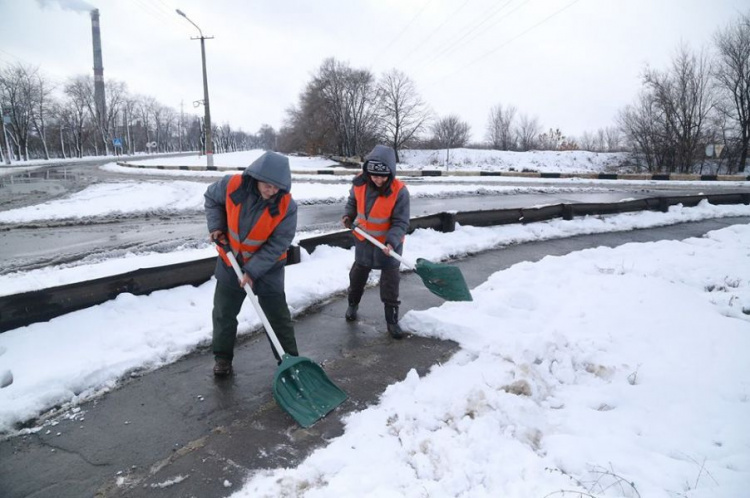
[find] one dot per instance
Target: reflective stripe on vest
(378, 222)
(263, 228)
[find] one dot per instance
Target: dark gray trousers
(389, 284)
(227, 304)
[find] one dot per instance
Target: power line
(170, 13)
(462, 32)
(11, 55)
(462, 39)
(487, 54)
(159, 15)
(393, 40)
(450, 16)
(489, 26)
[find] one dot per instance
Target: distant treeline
(695, 110)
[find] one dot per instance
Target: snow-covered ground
(134, 197)
(458, 160)
(461, 159)
(612, 372)
(546, 161)
(20, 166)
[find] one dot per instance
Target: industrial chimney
(98, 69)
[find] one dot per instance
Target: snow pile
(574, 161)
(612, 372)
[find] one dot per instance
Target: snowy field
(608, 372)
(460, 160)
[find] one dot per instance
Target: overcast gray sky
(571, 63)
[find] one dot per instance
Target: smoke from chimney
(98, 68)
(74, 5)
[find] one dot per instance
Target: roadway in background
(34, 245)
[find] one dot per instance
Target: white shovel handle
(377, 243)
(256, 305)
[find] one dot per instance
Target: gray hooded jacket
(264, 268)
(365, 253)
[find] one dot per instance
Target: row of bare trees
(344, 111)
(509, 130)
(699, 104)
(700, 100)
(46, 120)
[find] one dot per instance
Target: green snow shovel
(300, 386)
(442, 280)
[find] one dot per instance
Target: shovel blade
(303, 390)
(443, 280)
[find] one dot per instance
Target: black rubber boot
(351, 312)
(222, 367)
(391, 319)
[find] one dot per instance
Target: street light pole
(209, 148)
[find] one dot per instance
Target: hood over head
(272, 168)
(380, 154)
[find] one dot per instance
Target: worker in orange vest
(378, 203)
(254, 214)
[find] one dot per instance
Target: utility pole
(209, 147)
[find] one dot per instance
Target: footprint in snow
(6, 378)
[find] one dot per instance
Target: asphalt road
(36, 245)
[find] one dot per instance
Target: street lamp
(207, 121)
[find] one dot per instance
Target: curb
(519, 174)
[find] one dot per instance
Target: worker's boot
(351, 312)
(222, 367)
(391, 319)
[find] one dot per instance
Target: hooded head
(271, 168)
(381, 161)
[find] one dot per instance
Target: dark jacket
(365, 253)
(264, 267)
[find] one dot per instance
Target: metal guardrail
(23, 309)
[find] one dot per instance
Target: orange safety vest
(245, 247)
(378, 222)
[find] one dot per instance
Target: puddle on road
(40, 175)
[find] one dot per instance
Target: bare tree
(17, 94)
(308, 127)
(612, 139)
(588, 141)
(41, 90)
(732, 74)
(146, 107)
(500, 127)
(449, 133)
(117, 95)
(641, 124)
(75, 111)
(267, 137)
(527, 132)
(129, 110)
(349, 98)
(552, 140)
(404, 113)
(682, 96)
